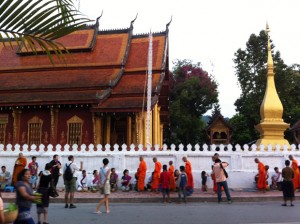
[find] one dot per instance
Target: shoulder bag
(225, 172)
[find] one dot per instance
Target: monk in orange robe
(156, 174)
(296, 172)
(261, 181)
(20, 164)
(172, 177)
(188, 170)
(142, 174)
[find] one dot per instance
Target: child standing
(181, 184)
(204, 179)
(165, 183)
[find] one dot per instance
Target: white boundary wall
(241, 170)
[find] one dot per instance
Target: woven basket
(10, 216)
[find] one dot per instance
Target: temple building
(97, 96)
(218, 131)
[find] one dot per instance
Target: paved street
(206, 213)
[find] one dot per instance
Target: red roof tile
(95, 76)
(109, 50)
(81, 39)
(138, 57)
(135, 83)
(58, 79)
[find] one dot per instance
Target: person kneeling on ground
(96, 181)
(82, 185)
(113, 180)
(126, 181)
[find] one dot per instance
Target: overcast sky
(208, 31)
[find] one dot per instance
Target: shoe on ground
(72, 206)
(97, 212)
(229, 202)
(283, 205)
(66, 206)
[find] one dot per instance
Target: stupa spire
(271, 125)
(270, 58)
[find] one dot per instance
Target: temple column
(161, 135)
(158, 128)
(129, 127)
(100, 129)
(134, 131)
(17, 123)
(108, 124)
(54, 125)
(155, 125)
(97, 125)
(139, 123)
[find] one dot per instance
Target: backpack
(183, 180)
(68, 175)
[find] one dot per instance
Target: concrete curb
(159, 199)
(148, 197)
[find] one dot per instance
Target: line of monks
(262, 174)
(142, 170)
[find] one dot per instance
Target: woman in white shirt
(104, 186)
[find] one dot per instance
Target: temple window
(2, 133)
(75, 130)
(35, 125)
(3, 124)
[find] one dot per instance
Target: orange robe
(296, 174)
(20, 164)
(172, 178)
(188, 170)
(142, 175)
(156, 175)
(213, 177)
(261, 182)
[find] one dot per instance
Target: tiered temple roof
(106, 69)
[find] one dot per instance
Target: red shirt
(165, 179)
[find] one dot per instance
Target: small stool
(9, 189)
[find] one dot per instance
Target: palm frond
(39, 22)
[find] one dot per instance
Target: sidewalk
(150, 197)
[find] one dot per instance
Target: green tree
(34, 24)
(251, 72)
(193, 93)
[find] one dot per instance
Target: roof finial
(131, 23)
(97, 20)
(168, 24)
(270, 58)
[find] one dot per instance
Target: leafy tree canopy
(192, 93)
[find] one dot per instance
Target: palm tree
(36, 24)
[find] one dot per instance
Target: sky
(209, 32)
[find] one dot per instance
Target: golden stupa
(272, 126)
